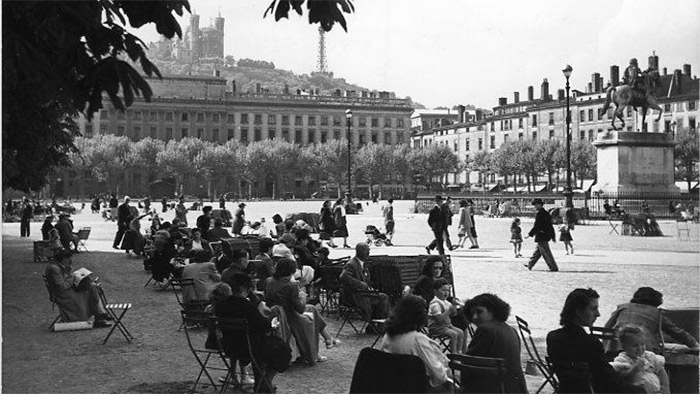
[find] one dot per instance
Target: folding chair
(230, 326)
(573, 376)
(179, 286)
(53, 302)
(330, 287)
(683, 229)
(535, 357)
(117, 318)
(197, 343)
(479, 372)
(349, 312)
(83, 235)
(613, 226)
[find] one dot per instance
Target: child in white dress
(639, 366)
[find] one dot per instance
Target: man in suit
(543, 231)
(437, 223)
(123, 219)
(204, 221)
(355, 278)
(571, 344)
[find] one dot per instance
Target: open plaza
(37, 360)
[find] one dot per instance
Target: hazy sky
(449, 52)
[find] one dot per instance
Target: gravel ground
(158, 360)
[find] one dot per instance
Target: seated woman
(271, 355)
(433, 269)
(305, 322)
(571, 344)
(643, 310)
(76, 302)
(403, 336)
(204, 274)
(494, 338)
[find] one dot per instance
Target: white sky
(449, 52)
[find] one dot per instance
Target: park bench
(391, 274)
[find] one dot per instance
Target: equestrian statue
(638, 90)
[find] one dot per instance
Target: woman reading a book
(76, 293)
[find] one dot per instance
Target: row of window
(245, 136)
(270, 119)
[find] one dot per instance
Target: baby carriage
(375, 236)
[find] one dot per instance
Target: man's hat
(438, 198)
(537, 201)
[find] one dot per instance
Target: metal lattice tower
(321, 64)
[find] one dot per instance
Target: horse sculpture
(627, 95)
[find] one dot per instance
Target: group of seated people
(633, 363)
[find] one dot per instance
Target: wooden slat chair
(481, 371)
(83, 235)
(535, 357)
(193, 322)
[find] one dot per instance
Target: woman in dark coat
(327, 224)
(239, 221)
(494, 338)
(341, 228)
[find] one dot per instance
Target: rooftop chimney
(502, 101)
(665, 71)
(460, 111)
(595, 79)
(654, 61)
(530, 93)
(545, 90)
(601, 83)
(686, 70)
(590, 87)
(516, 97)
(677, 77)
(233, 86)
(614, 75)
(561, 95)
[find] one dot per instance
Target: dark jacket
(447, 213)
(572, 344)
(543, 231)
(124, 215)
(436, 218)
(499, 340)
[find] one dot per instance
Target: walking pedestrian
(436, 221)
(147, 204)
(327, 224)
(475, 244)
(447, 212)
(239, 221)
(389, 223)
(181, 211)
(516, 237)
(222, 202)
(124, 217)
(27, 215)
(565, 235)
(164, 202)
(465, 224)
(341, 224)
(543, 231)
(113, 205)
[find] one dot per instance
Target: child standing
(565, 236)
(639, 366)
(439, 313)
(516, 237)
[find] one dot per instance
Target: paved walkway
(36, 360)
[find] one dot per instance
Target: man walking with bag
(436, 221)
(543, 231)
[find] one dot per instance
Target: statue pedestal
(630, 162)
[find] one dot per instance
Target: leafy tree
(502, 162)
(686, 157)
(145, 154)
(213, 161)
(583, 161)
(324, 12)
(272, 158)
(108, 155)
(333, 159)
(309, 165)
(177, 158)
(433, 161)
(547, 159)
(373, 160)
(481, 162)
(58, 59)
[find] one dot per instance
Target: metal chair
(53, 302)
(348, 312)
(112, 309)
(683, 229)
(83, 235)
(535, 357)
(197, 343)
(573, 376)
(180, 285)
(230, 326)
(330, 287)
(479, 372)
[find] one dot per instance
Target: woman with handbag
(327, 224)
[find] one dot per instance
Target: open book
(79, 275)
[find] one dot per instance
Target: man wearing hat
(437, 223)
(543, 231)
(239, 220)
(65, 232)
(124, 217)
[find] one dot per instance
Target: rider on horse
(632, 74)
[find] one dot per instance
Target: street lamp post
(348, 122)
(568, 193)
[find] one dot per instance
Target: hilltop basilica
(196, 44)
